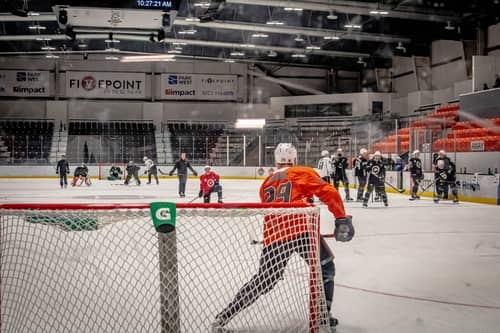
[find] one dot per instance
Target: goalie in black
(376, 178)
(115, 173)
(132, 171)
(81, 176)
(151, 170)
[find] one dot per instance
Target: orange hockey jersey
(295, 184)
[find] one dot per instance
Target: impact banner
(106, 85)
(199, 87)
(24, 83)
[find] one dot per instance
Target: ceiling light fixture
(111, 49)
(299, 39)
(352, 26)
(275, 22)
(51, 56)
(272, 54)
(202, 4)
(43, 39)
(192, 19)
(33, 14)
(293, 9)
(174, 51)
(259, 35)
(179, 43)
(332, 16)
(249, 46)
(147, 58)
(112, 58)
(331, 37)
(37, 27)
(449, 27)
(313, 47)
(237, 54)
(229, 61)
(47, 48)
(298, 55)
(188, 32)
(379, 12)
(250, 123)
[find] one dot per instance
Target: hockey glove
(344, 230)
(195, 173)
(200, 194)
(170, 173)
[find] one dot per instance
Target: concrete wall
(361, 102)
(493, 42)
(448, 63)
(484, 70)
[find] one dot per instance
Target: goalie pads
(344, 230)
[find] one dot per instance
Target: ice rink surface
(412, 267)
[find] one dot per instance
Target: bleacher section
(25, 141)
(196, 139)
(446, 132)
(110, 142)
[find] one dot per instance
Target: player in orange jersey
(286, 234)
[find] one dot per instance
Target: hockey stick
(192, 200)
(428, 186)
(164, 173)
(394, 187)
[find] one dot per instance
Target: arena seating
(110, 142)
(25, 141)
(445, 121)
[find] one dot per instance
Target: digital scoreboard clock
(164, 5)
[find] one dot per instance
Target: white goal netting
(105, 268)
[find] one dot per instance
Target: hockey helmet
(339, 151)
(285, 153)
(145, 158)
(207, 167)
(377, 155)
(130, 162)
(442, 153)
(416, 153)
(324, 153)
(363, 151)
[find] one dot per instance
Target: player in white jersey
(325, 166)
(150, 169)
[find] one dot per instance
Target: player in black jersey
(360, 172)
(445, 177)
(340, 165)
(376, 178)
(416, 174)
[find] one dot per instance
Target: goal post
(158, 267)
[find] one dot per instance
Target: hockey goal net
(104, 171)
(156, 267)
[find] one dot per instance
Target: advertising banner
(199, 87)
(106, 85)
(24, 83)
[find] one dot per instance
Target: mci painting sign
(106, 85)
(24, 83)
(199, 87)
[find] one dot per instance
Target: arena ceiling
(327, 33)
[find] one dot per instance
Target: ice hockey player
(325, 166)
(444, 177)
(284, 236)
(376, 178)
(416, 174)
(132, 171)
(81, 176)
(115, 173)
(62, 170)
(360, 172)
(151, 170)
(209, 183)
(443, 156)
(181, 166)
(340, 165)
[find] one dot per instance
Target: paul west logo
(179, 80)
(28, 76)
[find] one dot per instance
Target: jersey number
(284, 192)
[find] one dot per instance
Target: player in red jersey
(286, 234)
(209, 183)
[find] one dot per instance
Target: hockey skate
(348, 199)
(412, 198)
(365, 204)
